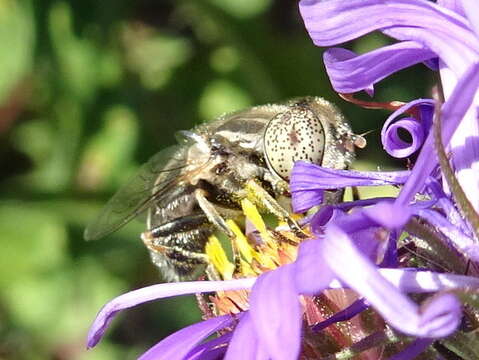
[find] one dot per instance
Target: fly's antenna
(359, 140)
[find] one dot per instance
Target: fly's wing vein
(154, 178)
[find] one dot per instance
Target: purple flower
(425, 31)
(272, 327)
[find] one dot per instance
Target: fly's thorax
(231, 167)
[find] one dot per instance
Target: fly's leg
(211, 213)
(182, 224)
(258, 195)
(216, 219)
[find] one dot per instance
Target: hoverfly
(189, 190)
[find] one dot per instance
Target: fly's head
(311, 129)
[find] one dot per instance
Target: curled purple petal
(180, 343)
(453, 112)
(397, 147)
(432, 64)
(323, 216)
(350, 223)
(335, 21)
(417, 129)
(349, 72)
(156, 292)
(276, 313)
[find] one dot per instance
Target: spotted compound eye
(296, 134)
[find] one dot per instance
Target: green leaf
(17, 39)
(222, 96)
(243, 8)
(108, 156)
(32, 241)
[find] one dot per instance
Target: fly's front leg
(258, 195)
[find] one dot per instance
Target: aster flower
(412, 287)
(426, 31)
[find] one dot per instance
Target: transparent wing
(155, 178)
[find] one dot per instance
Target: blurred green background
(91, 89)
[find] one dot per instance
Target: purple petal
(245, 342)
(350, 73)
(309, 176)
(417, 129)
(398, 310)
(441, 316)
(389, 215)
(462, 242)
(454, 5)
(471, 9)
(414, 281)
(445, 45)
(335, 21)
(440, 30)
(155, 292)
(348, 205)
(180, 343)
(413, 349)
(303, 200)
(309, 180)
(346, 314)
(211, 350)
(276, 313)
(323, 216)
(397, 147)
(312, 276)
(453, 112)
(443, 201)
(417, 281)
(432, 64)
(350, 223)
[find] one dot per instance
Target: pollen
(252, 214)
(250, 258)
(218, 258)
(241, 242)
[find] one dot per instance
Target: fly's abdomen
(177, 246)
